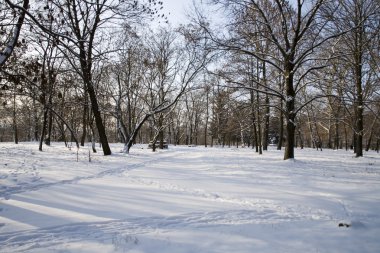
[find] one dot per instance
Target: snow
(187, 199)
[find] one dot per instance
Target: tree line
(284, 73)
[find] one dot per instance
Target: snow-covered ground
(187, 199)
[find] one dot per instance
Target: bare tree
(172, 70)
(361, 19)
(82, 40)
(295, 31)
(13, 18)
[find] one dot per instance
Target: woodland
(291, 74)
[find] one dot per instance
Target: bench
(165, 144)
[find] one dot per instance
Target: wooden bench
(165, 144)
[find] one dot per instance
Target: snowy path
(187, 200)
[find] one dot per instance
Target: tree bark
(132, 138)
(8, 50)
(370, 135)
(281, 117)
(300, 137)
(43, 131)
(49, 128)
(50, 115)
(267, 112)
(207, 115)
(359, 111)
(290, 113)
(87, 79)
(336, 138)
(258, 116)
(253, 122)
(98, 120)
(15, 129)
(266, 126)
(84, 118)
(281, 132)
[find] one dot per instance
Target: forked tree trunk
(134, 133)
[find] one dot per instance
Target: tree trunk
(49, 128)
(85, 63)
(15, 130)
(92, 137)
(43, 131)
(267, 112)
(196, 124)
(312, 137)
(133, 135)
(258, 116)
(207, 115)
(300, 137)
(266, 126)
(329, 135)
(12, 43)
(336, 139)
(84, 119)
(359, 105)
(359, 125)
(318, 141)
(281, 133)
(161, 131)
(290, 130)
(345, 134)
(253, 118)
(98, 120)
(50, 120)
(35, 120)
(290, 114)
(354, 139)
(67, 125)
(370, 135)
